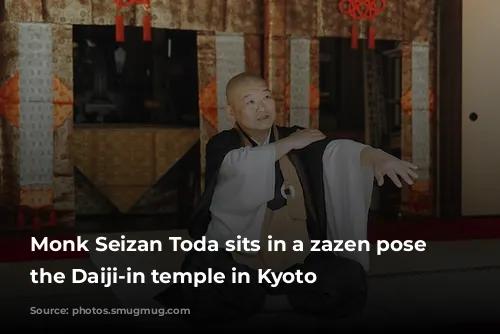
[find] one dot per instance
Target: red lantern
(146, 20)
(360, 10)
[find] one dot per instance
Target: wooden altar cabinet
(36, 79)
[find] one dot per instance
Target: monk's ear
(230, 111)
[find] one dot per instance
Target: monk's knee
(213, 302)
(340, 290)
(345, 289)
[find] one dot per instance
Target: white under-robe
(246, 182)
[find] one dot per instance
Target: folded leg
(211, 302)
(339, 291)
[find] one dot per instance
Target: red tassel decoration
(119, 28)
(36, 221)
(146, 27)
(20, 219)
(354, 37)
(371, 37)
(52, 218)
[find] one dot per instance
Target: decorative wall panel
(36, 103)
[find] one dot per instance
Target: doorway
(360, 99)
(480, 115)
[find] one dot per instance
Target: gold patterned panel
(62, 54)
(68, 11)
(389, 24)
(63, 163)
(419, 20)
(330, 21)
(244, 16)
(275, 55)
(207, 88)
(62, 67)
(202, 15)
(171, 146)
(84, 147)
(9, 54)
(9, 121)
(301, 17)
(165, 14)
(314, 96)
(123, 163)
(253, 53)
(185, 14)
(10, 167)
(131, 161)
(22, 10)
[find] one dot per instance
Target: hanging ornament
(119, 21)
(361, 10)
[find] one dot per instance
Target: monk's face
(252, 106)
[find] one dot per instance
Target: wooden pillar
(275, 62)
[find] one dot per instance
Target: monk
(286, 183)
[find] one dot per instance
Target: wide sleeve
(348, 190)
(245, 180)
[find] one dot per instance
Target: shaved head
(239, 83)
(250, 103)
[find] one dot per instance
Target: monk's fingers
(409, 164)
(405, 173)
(411, 173)
(379, 177)
(405, 177)
(394, 177)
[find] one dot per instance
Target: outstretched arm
(348, 186)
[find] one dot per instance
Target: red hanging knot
(360, 10)
(119, 22)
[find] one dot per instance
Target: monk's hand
(385, 164)
(303, 138)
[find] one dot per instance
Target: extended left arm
(348, 171)
(348, 186)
